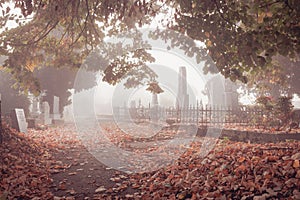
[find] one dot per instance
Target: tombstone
(154, 101)
(116, 112)
(56, 114)
(182, 100)
(133, 104)
(34, 107)
(45, 117)
(231, 94)
(216, 90)
(68, 114)
(18, 120)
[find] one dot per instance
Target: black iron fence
(199, 115)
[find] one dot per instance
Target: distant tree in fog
(11, 98)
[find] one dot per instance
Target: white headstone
(19, 120)
(34, 107)
(68, 114)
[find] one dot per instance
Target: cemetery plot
(200, 135)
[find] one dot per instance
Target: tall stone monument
(34, 107)
(223, 92)
(56, 114)
(182, 100)
(154, 101)
(231, 94)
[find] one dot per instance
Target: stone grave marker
(18, 120)
(46, 113)
(56, 114)
(34, 107)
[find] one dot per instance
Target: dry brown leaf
(296, 156)
(62, 186)
(100, 189)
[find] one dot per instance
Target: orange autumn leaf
(296, 164)
(241, 159)
(151, 187)
(241, 168)
(272, 158)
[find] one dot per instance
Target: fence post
(197, 113)
(202, 115)
(206, 115)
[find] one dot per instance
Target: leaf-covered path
(53, 164)
(78, 174)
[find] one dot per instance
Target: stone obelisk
(154, 101)
(182, 96)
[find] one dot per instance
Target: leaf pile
(231, 171)
(56, 137)
(24, 167)
(234, 170)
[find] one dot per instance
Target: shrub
(277, 112)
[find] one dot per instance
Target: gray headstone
(182, 100)
(56, 114)
(18, 120)
(46, 113)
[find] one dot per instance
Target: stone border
(251, 136)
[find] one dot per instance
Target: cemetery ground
(52, 163)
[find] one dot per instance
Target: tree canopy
(241, 37)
